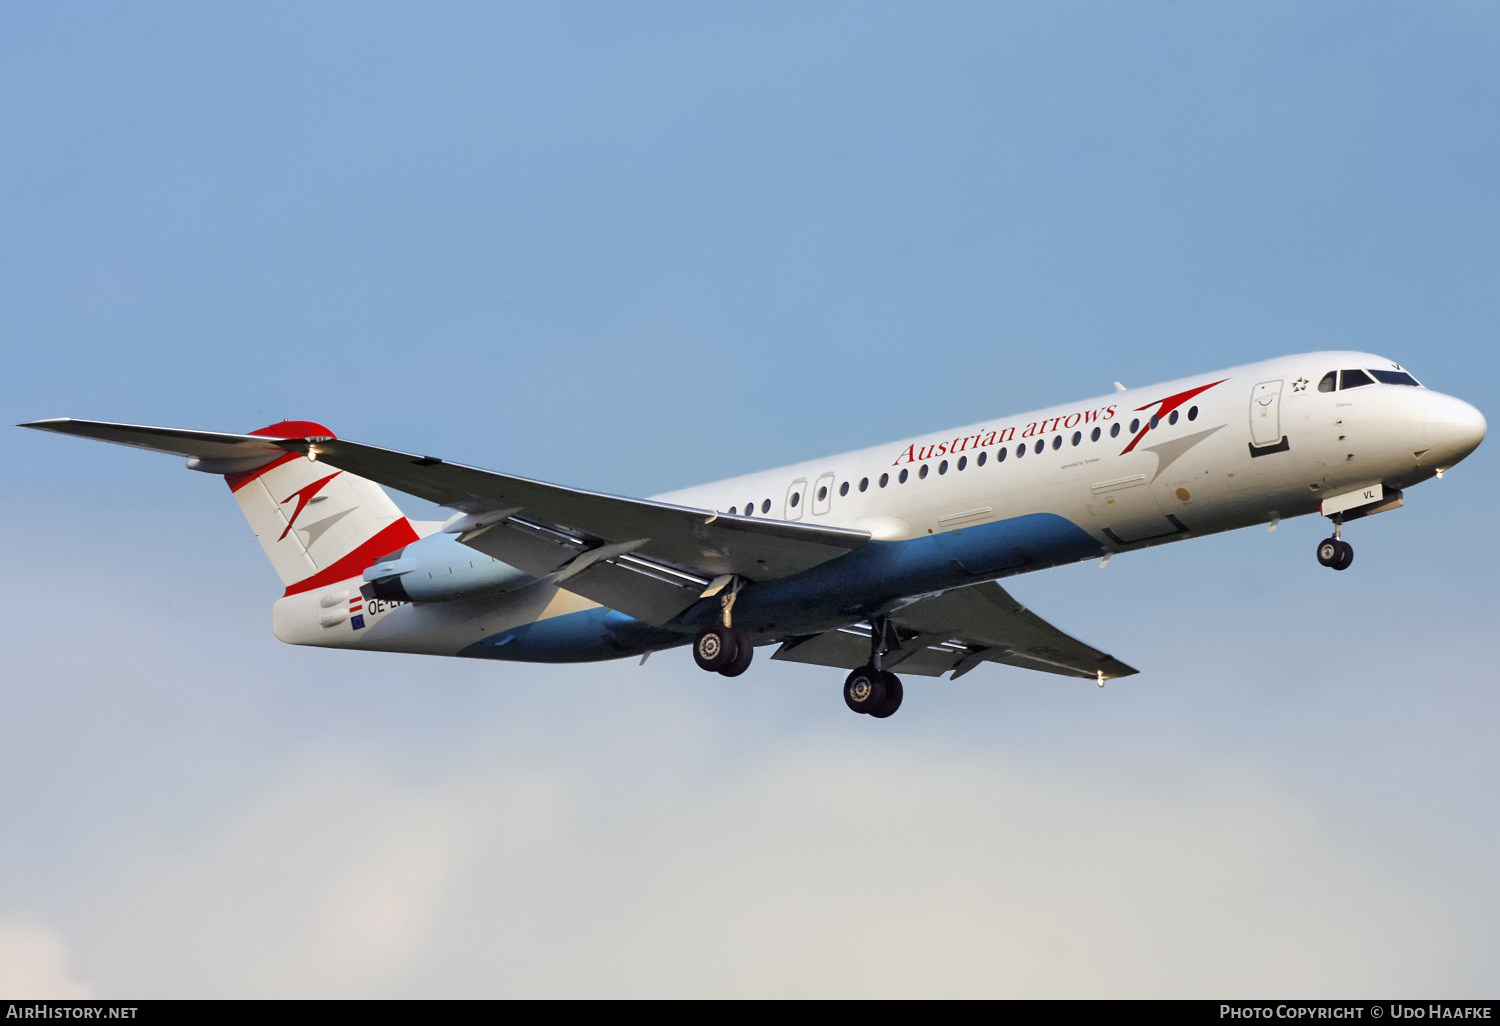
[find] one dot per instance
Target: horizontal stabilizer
(217, 451)
(317, 524)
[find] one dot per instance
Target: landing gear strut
(870, 689)
(724, 648)
(1335, 552)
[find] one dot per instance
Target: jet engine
(437, 569)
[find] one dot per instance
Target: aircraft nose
(1453, 429)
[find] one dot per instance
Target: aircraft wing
(649, 559)
(958, 630)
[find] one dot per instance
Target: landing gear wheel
(715, 648)
(864, 690)
(1345, 556)
(1335, 553)
(893, 693)
(743, 653)
(1328, 551)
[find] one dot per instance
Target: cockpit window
(1330, 382)
(1354, 379)
(1393, 377)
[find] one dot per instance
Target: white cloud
(290, 823)
(826, 871)
(34, 963)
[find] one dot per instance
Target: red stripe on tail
(240, 480)
(395, 536)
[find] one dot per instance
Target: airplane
(882, 559)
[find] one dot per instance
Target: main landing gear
(870, 689)
(1335, 552)
(724, 648)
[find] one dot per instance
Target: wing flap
(987, 616)
(957, 630)
(530, 548)
(654, 598)
(845, 648)
(849, 647)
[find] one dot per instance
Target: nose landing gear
(1335, 552)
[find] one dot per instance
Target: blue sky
(637, 247)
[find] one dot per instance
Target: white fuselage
(1337, 442)
(1244, 446)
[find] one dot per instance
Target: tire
(714, 648)
(893, 694)
(1345, 556)
(1328, 551)
(864, 689)
(743, 653)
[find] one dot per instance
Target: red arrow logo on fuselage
(303, 497)
(1167, 405)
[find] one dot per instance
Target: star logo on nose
(1300, 385)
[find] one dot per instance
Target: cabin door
(1265, 413)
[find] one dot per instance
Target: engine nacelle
(436, 569)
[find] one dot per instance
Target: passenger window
(923, 472)
(749, 509)
(1354, 379)
(765, 507)
(979, 460)
(1330, 382)
(903, 477)
(1040, 445)
(1135, 425)
(884, 480)
(1173, 418)
(999, 456)
(1114, 430)
(1193, 413)
(796, 498)
(822, 493)
(844, 488)
(943, 467)
(1077, 437)
(1094, 435)
(1057, 442)
(1155, 422)
(733, 511)
(963, 461)
(1020, 450)
(864, 483)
